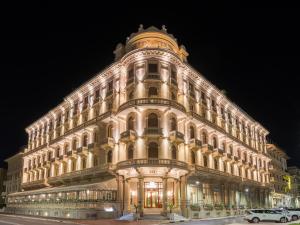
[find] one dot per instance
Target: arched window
(95, 137)
(130, 95)
(73, 165)
(64, 167)
(130, 123)
(152, 92)
(205, 162)
(173, 124)
(231, 149)
(245, 156)
(153, 150)
(83, 163)
(173, 96)
(224, 146)
(74, 144)
(152, 120)
(66, 149)
(193, 157)
(204, 138)
(109, 156)
(216, 162)
(85, 140)
(57, 152)
(192, 132)
(239, 153)
(232, 169)
(109, 131)
(95, 161)
(174, 152)
(130, 152)
(215, 142)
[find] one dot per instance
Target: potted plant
(218, 206)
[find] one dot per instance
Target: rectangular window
(85, 102)
(153, 68)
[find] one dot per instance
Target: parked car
(295, 213)
(257, 215)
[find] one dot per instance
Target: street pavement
(26, 220)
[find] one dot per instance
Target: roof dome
(151, 37)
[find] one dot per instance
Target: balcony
(72, 154)
(152, 101)
(91, 147)
(271, 167)
(128, 135)
(46, 164)
(63, 157)
(206, 149)
(176, 136)
(218, 152)
(107, 143)
(34, 184)
(227, 157)
(82, 150)
(78, 175)
(208, 173)
(153, 131)
(153, 77)
(152, 162)
(272, 179)
(54, 160)
(195, 144)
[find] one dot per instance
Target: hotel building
(148, 134)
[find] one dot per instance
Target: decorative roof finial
(141, 27)
(164, 28)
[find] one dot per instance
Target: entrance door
(153, 195)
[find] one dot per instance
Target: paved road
(20, 220)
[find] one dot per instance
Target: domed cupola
(151, 38)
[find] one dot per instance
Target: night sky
(48, 51)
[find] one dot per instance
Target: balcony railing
(152, 101)
(176, 136)
(195, 143)
(153, 131)
(107, 142)
(152, 162)
(128, 135)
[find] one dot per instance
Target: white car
(257, 215)
(295, 213)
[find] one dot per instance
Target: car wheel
(283, 220)
(294, 217)
(255, 220)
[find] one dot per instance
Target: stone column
(120, 197)
(165, 197)
(141, 196)
(183, 193)
(126, 198)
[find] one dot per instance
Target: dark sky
(48, 51)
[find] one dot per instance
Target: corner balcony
(34, 184)
(152, 162)
(195, 144)
(153, 131)
(128, 135)
(207, 149)
(107, 143)
(217, 152)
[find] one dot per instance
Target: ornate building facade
(148, 133)
(280, 179)
(294, 171)
(14, 173)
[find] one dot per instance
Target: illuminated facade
(279, 177)
(295, 174)
(148, 132)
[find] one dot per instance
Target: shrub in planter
(218, 206)
(208, 207)
(195, 207)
